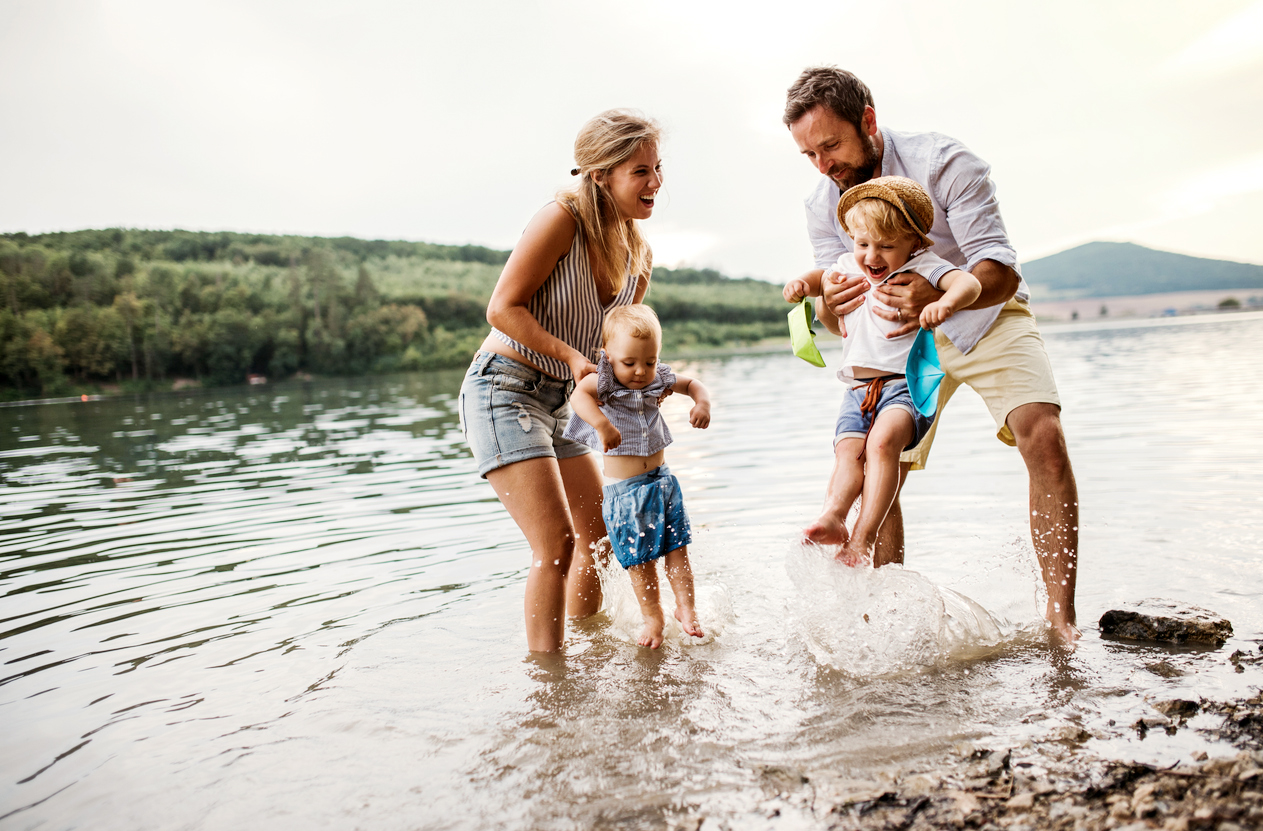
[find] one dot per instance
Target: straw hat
(905, 194)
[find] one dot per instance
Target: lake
(298, 606)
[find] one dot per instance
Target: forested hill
(1112, 269)
(142, 308)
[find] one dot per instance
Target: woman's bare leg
(582, 480)
(533, 493)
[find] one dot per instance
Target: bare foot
(688, 622)
(826, 530)
(854, 558)
(1063, 632)
(651, 634)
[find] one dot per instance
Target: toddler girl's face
(635, 360)
(881, 257)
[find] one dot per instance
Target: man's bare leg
(1054, 501)
(845, 484)
(889, 547)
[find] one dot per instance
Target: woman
(579, 257)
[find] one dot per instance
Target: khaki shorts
(1009, 367)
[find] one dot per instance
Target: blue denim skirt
(510, 412)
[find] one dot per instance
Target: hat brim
(879, 190)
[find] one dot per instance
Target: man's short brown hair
(827, 86)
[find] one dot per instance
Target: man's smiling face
(836, 148)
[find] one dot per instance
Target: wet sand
(1055, 783)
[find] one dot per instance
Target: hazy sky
(454, 121)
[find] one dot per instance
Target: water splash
(714, 607)
(866, 621)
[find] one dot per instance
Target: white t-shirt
(967, 225)
(866, 344)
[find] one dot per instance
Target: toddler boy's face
(635, 360)
(879, 258)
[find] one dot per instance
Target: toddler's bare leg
(644, 578)
(891, 432)
(845, 484)
(680, 575)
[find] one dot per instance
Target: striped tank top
(567, 305)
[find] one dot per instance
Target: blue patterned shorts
(645, 517)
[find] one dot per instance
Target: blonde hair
(881, 219)
(605, 142)
(635, 319)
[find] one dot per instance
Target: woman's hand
(579, 366)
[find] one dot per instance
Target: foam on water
(714, 607)
(867, 622)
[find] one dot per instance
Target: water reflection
(302, 606)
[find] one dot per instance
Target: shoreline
(1050, 784)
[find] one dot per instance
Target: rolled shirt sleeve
(961, 184)
(828, 242)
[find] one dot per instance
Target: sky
(455, 122)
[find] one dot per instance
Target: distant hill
(1112, 269)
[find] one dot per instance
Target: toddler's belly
(625, 467)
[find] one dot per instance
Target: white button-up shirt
(967, 223)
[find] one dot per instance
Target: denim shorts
(510, 412)
(894, 394)
(645, 517)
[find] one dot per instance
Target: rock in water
(1156, 619)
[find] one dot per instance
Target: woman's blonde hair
(605, 142)
(635, 319)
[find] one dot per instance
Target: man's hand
(909, 293)
(843, 294)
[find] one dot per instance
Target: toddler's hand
(934, 314)
(699, 416)
(610, 437)
(795, 290)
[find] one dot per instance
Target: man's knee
(1040, 439)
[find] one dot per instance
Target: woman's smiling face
(633, 185)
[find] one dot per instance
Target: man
(831, 116)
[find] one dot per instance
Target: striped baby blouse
(569, 308)
(634, 412)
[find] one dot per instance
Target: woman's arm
(544, 242)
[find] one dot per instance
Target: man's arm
(999, 284)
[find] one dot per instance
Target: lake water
(299, 607)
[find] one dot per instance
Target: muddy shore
(1053, 784)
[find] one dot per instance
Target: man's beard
(853, 176)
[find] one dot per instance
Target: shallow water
(300, 607)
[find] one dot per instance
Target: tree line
(142, 308)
